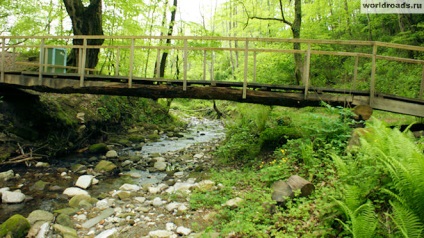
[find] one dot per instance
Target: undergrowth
(371, 190)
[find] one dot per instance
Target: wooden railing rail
(249, 47)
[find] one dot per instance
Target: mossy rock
(82, 200)
(105, 166)
(153, 137)
(67, 211)
(17, 226)
(98, 148)
(64, 220)
(136, 138)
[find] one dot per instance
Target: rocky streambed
(126, 192)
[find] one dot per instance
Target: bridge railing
(199, 58)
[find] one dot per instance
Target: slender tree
(295, 27)
(86, 20)
(162, 65)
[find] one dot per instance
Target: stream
(199, 131)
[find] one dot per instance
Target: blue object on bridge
(56, 56)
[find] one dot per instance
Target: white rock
(179, 174)
(172, 206)
(103, 204)
(12, 197)
(95, 181)
(111, 154)
(81, 217)
(44, 229)
(161, 166)
(140, 199)
(4, 189)
(182, 208)
(183, 187)
(7, 175)
(130, 187)
(159, 159)
(233, 202)
(198, 156)
(126, 162)
(170, 226)
(162, 234)
(42, 165)
(157, 201)
(84, 181)
(183, 231)
(107, 233)
(73, 191)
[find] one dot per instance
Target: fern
(363, 221)
(406, 221)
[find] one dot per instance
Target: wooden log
(298, 183)
(281, 192)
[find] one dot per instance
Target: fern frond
(363, 220)
(406, 221)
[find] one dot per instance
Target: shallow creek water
(198, 131)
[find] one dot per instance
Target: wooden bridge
(194, 68)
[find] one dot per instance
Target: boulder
(111, 154)
(232, 203)
(17, 225)
(130, 187)
(12, 197)
(98, 148)
(66, 231)
(73, 191)
(161, 234)
(160, 165)
(84, 181)
(81, 200)
(105, 166)
(7, 175)
(40, 215)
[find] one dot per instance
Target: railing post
(41, 60)
(130, 76)
(185, 56)
(117, 61)
(213, 83)
(355, 72)
(83, 60)
(373, 71)
(3, 57)
(254, 66)
(306, 70)
(204, 65)
(246, 61)
(157, 73)
(422, 85)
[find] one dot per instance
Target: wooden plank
(407, 108)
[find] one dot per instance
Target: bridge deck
(40, 75)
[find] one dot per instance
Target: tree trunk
(85, 21)
(295, 27)
(168, 41)
(286, 190)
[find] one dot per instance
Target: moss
(17, 225)
(98, 148)
(136, 138)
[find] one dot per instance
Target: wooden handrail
(250, 47)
